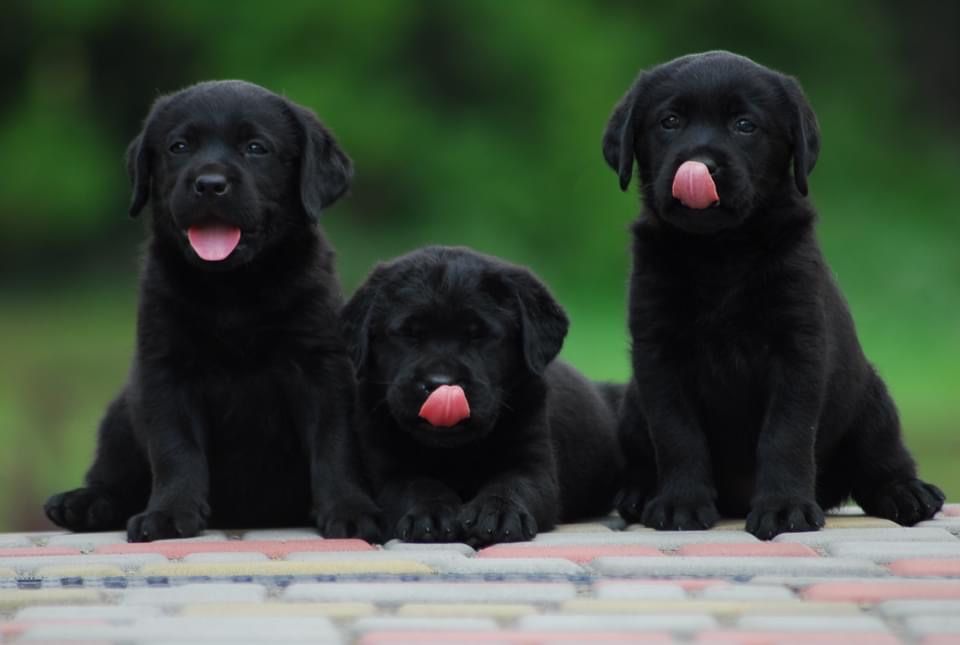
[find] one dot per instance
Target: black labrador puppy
(238, 402)
(748, 377)
(469, 429)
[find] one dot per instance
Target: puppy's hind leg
(885, 480)
(117, 484)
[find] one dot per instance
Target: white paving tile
(880, 551)
(617, 622)
(195, 593)
(823, 537)
(735, 566)
(399, 592)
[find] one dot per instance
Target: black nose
(212, 184)
(434, 380)
(709, 162)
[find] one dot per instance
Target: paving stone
(921, 625)
(195, 593)
(287, 568)
(273, 549)
(78, 571)
(761, 549)
(613, 588)
(7, 572)
(713, 607)
(488, 610)
(280, 535)
(854, 623)
(757, 637)
(87, 541)
(859, 522)
(950, 510)
(936, 567)
(405, 623)
(824, 537)
(338, 610)
(878, 590)
(445, 592)
(702, 566)
(458, 547)
(11, 599)
(36, 551)
(623, 590)
(575, 553)
(649, 537)
(197, 629)
(919, 607)
(747, 592)
(513, 637)
(206, 558)
(951, 524)
(8, 541)
(521, 566)
(108, 613)
(595, 623)
(128, 562)
(889, 551)
(444, 561)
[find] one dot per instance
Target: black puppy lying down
(237, 406)
(468, 430)
(748, 375)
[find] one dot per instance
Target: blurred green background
(472, 123)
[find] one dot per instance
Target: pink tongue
(215, 242)
(694, 186)
(446, 406)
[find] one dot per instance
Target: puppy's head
(230, 169)
(715, 136)
(445, 316)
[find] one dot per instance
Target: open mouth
(213, 242)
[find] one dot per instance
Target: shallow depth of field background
(473, 123)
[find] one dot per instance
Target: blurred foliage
(472, 123)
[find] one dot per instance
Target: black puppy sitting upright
(469, 429)
(748, 375)
(237, 406)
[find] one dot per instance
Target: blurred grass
(472, 123)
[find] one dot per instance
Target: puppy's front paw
(165, 524)
(674, 512)
(770, 516)
(85, 509)
(352, 519)
(425, 522)
(630, 502)
(906, 502)
(487, 520)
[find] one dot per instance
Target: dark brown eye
(670, 122)
(256, 148)
(745, 126)
(476, 331)
(178, 147)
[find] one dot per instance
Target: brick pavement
(860, 580)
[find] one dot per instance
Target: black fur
(748, 375)
(237, 406)
(540, 444)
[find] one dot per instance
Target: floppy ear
(804, 134)
(325, 169)
(618, 138)
(543, 322)
(138, 169)
(356, 315)
(139, 163)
